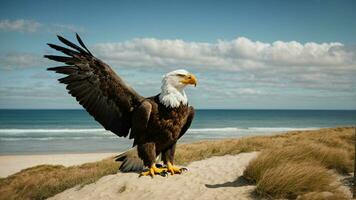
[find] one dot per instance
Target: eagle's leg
(168, 157)
(147, 152)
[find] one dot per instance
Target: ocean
(75, 131)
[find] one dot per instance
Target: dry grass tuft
(301, 165)
(292, 179)
(201, 150)
(43, 181)
(329, 157)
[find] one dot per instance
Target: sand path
(15, 163)
(213, 178)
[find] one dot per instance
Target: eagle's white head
(173, 84)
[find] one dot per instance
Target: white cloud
(311, 66)
(234, 69)
(12, 61)
(62, 28)
(249, 91)
(31, 26)
(237, 54)
(20, 25)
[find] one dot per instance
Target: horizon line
(311, 109)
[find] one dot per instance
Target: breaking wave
(97, 133)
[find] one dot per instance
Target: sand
(14, 163)
(213, 178)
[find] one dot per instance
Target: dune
(213, 178)
(11, 164)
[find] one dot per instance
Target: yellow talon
(153, 170)
(173, 169)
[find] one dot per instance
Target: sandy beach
(11, 164)
(213, 178)
(215, 171)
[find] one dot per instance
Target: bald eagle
(154, 123)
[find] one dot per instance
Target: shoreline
(53, 147)
(13, 163)
(10, 164)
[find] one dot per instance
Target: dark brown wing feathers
(189, 121)
(96, 86)
(141, 117)
(82, 44)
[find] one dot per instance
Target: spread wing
(96, 86)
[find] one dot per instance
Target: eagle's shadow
(240, 181)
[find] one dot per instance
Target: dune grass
(294, 178)
(306, 167)
(329, 157)
(336, 146)
(43, 181)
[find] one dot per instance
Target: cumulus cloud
(314, 66)
(20, 25)
(234, 69)
(241, 53)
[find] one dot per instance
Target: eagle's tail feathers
(130, 161)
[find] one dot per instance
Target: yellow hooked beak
(190, 79)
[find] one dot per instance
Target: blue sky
(246, 54)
